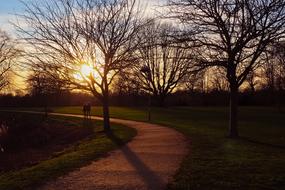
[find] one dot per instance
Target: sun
(86, 70)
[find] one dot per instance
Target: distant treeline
(179, 98)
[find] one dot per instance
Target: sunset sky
(10, 8)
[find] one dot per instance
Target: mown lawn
(76, 156)
(256, 161)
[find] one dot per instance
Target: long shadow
(153, 181)
(262, 143)
(87, 122)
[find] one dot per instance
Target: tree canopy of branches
(163, 64)
(8, 53)
(232, 34)
(41, 84)
(84, 42)
(195, 82)
(274, 68)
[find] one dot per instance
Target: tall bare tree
(194, 81)
(163, 64)
(272, 71)
(274, 67)
(232, 34)
(252, 81)
(42, 84)
(84, 42)
(217, 79)
(8, 53)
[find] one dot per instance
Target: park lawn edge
(196, 172)
(235, 164)
(82, 154)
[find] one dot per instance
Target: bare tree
(8, 53)
(163, 64)
(273, 71)
(126, 83)
(42, 84)
(217, 79)
(253, 80)
(232, 34)
(274, 68)
(84, 42)
(194, 81)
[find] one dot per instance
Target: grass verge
(63, 162)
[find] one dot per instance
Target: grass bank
(69, 159)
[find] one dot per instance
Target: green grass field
(256, 161)
(69, 159)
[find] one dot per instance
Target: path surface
(149, 161)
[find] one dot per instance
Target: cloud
(5, 23)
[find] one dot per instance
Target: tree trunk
(106, 115)
(233, 127)
(105, 92)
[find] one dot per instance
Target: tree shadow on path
(153, 181)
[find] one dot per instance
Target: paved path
(149, 161)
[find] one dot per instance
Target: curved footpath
(149, 161)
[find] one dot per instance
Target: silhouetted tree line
(59, 99)
(263, 97)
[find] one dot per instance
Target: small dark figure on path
(87, 110)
